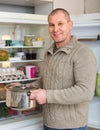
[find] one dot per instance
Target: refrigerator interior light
(6, 37)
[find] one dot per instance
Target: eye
(51, 25)
(60, 24)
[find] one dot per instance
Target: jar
(28, 40)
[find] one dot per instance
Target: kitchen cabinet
(74, 7)
(79, 6)
(91, 6)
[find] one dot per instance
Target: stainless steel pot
(17, 97)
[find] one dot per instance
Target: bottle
(18, 33)
(98, 37)
(97, 89)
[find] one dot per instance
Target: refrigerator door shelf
(94, 113)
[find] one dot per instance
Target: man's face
(59, 27)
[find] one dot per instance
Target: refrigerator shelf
(94, 115)
(93, 125)
(20, 80)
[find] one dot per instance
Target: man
(67, 77)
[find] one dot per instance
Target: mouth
(56, 36)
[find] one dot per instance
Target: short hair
(53, 12)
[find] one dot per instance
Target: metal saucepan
(18, 97)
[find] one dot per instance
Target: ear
(70, 24)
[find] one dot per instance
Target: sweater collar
(67, 49)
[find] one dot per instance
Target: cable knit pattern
(68, 75)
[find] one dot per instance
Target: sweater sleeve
(84, 69)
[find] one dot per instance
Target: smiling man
(68, 76)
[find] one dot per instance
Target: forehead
(57, 16)
(59, 12)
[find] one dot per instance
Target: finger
(32, 96)
(14, 84)
(35, 91)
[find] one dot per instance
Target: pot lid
(20, 88)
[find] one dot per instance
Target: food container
(30, 54)
(38, 43)
(18, 97)
(28, 39)
(4, 55)
(20, 54)
(30, 71)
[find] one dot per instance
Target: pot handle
(28, 93)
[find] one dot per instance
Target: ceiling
(25, 2)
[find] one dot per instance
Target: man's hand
(39, 95)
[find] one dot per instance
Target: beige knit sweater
(68, 75)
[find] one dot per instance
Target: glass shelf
(19, 80)
(8, 47)
(1, 101)
(88, 40)
(22, 61)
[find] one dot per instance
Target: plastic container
(38, 43)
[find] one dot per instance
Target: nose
(56, 27)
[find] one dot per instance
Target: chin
(58, 41)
